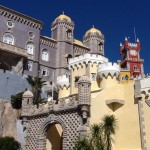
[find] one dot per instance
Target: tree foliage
(82, 144)
(36, 84)
(100, 135)
(9, 143)
(16, 100)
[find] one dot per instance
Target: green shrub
(9, 143)
(16, 100)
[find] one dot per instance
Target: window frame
(44, 51)
(4, 38)
(46, 72)
(28, 50)
(92, 77)
(31, 65)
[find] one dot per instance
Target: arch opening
(54, 136)
(4, 66)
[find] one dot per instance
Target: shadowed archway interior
(54, 137)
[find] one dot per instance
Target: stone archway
(4, 66)
(54, 137)
(42, 135)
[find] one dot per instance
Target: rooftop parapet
(109, 68)
(145, 85)
(63, 81)
(85, 59)
(62, 105)
(133, 44)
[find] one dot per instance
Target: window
(29, 66)
(30, 48)
(44, 72)
(69, 34)
(68, 56)
(136, 69)
(76, 81)
(100, 47)
(93, 76)
(125, 78)
(8, 38)
(45, 55)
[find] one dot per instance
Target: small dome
(28, 94)
(84, 79)
(93, 30)
(78, 42)
(63, 17)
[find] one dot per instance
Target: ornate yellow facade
(110, 95)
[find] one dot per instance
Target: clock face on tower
(133, 52)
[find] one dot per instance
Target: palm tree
(36, 84)
(101, 135)
(97, 137)
(109, 127)
(82, 144)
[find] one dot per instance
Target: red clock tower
(130, 53)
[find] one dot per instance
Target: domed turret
(63, 32)
(93, 31)
(94, 39)
(62, 18)
(27, 103)
(28, 94)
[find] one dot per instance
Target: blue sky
(115, 18)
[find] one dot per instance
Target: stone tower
(27, 102)
(130, 53)
(94, 39)
(84, 102)
(63, 32)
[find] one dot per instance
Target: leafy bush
(9, 143)
(16, 100)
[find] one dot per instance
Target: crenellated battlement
(109, 68)
(63, 105)
(132, 44)
(85, 59)
(145, 85)
(63, 81)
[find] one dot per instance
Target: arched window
(30, 48)
(69, 34)
(29, 66)
(101, 47)
(44, 72)
(45, 55)
(68, 56)
(8, 38)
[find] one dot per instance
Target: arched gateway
(71, 114)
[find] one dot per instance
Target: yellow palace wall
(128, 134)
